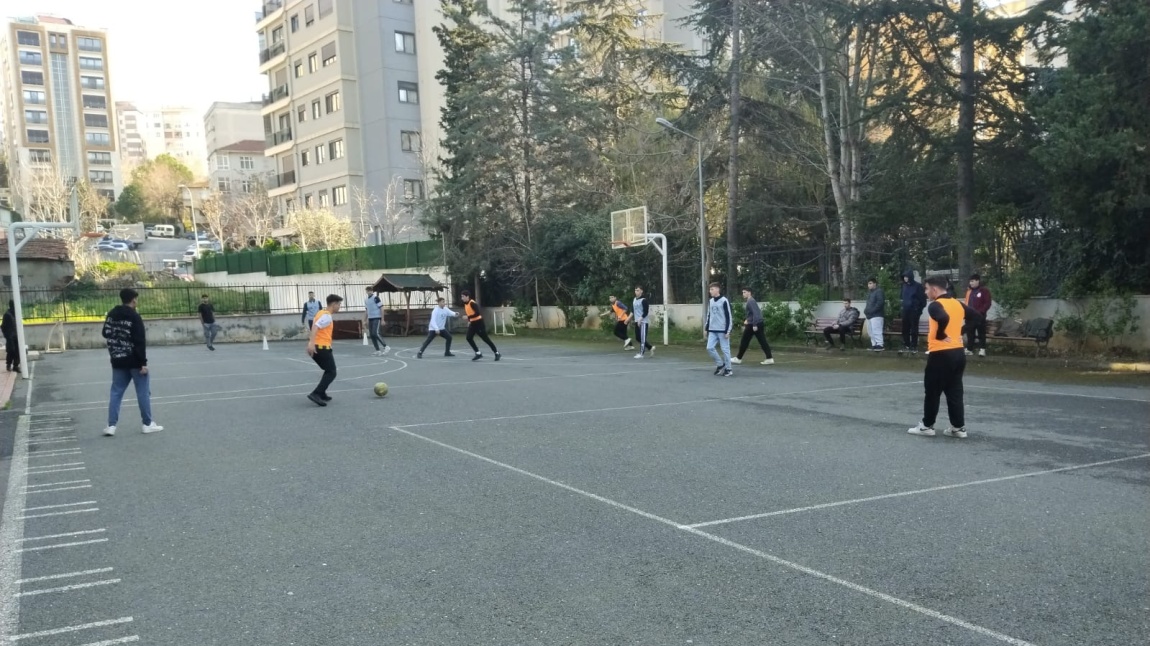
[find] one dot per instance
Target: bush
(523, 314)
(778, 320)
(809, 298)
(1014, 292)
(574, 315)
(606, 323)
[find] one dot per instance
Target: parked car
(131, 245)
(106, 245)
(163, 231)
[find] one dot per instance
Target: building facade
(170, 130)
(241, 167)
(59, 120)
(227, 123)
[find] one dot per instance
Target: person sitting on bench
(842, 327)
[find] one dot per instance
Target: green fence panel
(341, 260)
(293, 264)
(278, 265)
(233, 263)
(314, 262)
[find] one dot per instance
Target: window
(312, 63)
(90, 63)
(99, 159)
(247, 162)
(90, 44)
(327, 53)
(304, 158)
(308, 15)
(95, 102)
(248, 185)
(223, 162)
(277, 35)
(335, 149)
(96, 120)
(320, 154)
(98, 138)
(37, 136)
(58, 41)
(316, 109)
(324, 199)
(308, 201)
(301, 114)
(404, 42)
(28, 38)
(289, 205)
(408, 92)
(410, 141)
(31, 58)
(100, 176)
(224, 185)
(35, 116)
(32, 78)
(412, 189)
(339, 195)
(332, 102)
(35, 97)
(92, 82)
(324, 7)
(40, 156)
(294, 23)
(298, 68)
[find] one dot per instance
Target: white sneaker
(767, 362)
(153, 427)
(651, 351)
(969, 353)
(982, 352)
(110, 431)
(627, 345)
(960, 433)
(377, 353)
(385, 350)
(919, 429)
(736, 360)
(638, 356)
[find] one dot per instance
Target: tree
(390, 217)
(130, 206)
(93, 206)
(158, 182)
(322, 229)
(254, 216)
(45, 194)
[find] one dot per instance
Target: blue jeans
(720, 339)
(120, 379)
(210, 330)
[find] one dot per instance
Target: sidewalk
(7, 383)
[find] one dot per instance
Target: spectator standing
(873, 311)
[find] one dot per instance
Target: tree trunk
(965, 138)
(733, 170)
(834, 163)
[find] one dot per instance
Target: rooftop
(245, 146)
(38, 249)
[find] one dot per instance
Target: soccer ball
(380, 389)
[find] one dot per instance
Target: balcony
(269, 8)
(282, 180)
(271, 52)
(276, 138)
(276, 95)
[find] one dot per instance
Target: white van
(164, 231)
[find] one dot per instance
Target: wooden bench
(815, 332)
(1041, 340)
(894, 334)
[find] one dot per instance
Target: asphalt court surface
(569, 494)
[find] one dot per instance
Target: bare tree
(93, 206)
(391, 216)
(254, 216)
(45, 194)
(216, 215)
(322, 229)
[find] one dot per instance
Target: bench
(815, 332)
(395, 322)
(1041, 331)
(894, 334)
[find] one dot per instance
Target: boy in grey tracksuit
(718, 328)
(753, 328)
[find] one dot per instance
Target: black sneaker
(418, 355)
(477, 357)
(212, 348)
(449, 354)
(718, 371)
(728, 373)
(497, 356)
(316, 399)
(326, 398)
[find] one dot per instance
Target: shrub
(809, 298)
(1014, 292)
(523, 314)
(574, 315)
(778, 320)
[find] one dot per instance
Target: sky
(190, 54)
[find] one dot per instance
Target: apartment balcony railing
(268, 9)
(277, 138)
(277, 94)
(271, 52)
(283, 179)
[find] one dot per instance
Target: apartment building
(225, 123)
(55, 89)
(235, 142)
(173, 130)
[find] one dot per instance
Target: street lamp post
(195, 229)
(702, 213)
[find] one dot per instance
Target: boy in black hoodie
(127, 347)
(11, 349)
(913, 303)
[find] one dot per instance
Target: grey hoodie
(875, 303)
(754, 314)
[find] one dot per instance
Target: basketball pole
(660, 241)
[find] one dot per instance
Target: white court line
(33, 473)
(54, 484)
(901, 494)
(60, 513)
(902, 603)
(12, 528)
(28, 395)
(68, 588)
(53, 441)
(710, 400)
(49, 431)
(66, 535)
(72, 629)
(39, 467)
(39, 548)
(57, 489)
(66, 575)
(1057, 394)
(67, 504)
(56, 453)
(112, 642)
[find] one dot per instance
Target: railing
(283, 179)
(277, 94)
(273, 51)
(277, 138)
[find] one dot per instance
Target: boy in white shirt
(438, 327)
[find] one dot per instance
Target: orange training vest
(620, 311)
(953, 329)
(323, 335)
(472, 311)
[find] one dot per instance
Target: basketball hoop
(615, 244)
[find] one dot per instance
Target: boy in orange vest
(621, 314)
(476, 326)
(319, 348)
(946, 361)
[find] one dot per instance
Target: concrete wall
(37, 274)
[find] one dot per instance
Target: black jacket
(124, 331)
(9, 325)
(913, 294)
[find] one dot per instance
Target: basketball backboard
(629, 227)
